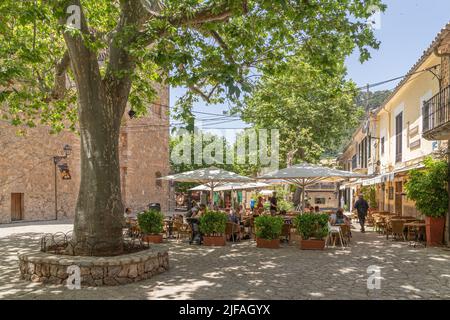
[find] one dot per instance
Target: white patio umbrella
(306, 174)
(211, 177)
(266, 192)
(232, 186)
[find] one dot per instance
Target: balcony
(436, 116)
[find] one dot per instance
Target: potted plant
(427, 187)
(285, 206)
(268, 231)
(313, 229)
(151, 223)
(212, 226)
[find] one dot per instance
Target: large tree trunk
(99, 211)
(102, 102)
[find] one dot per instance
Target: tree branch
(223, 45)
(121, 63)
(213, 13)
(60, 76)
(205, 96)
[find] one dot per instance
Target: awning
(372, 181)
(412, 167)
(350, 184)
(383, 177)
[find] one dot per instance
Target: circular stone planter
(94, 271)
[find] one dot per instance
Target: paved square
(242, 271)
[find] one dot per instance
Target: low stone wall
(95, 271)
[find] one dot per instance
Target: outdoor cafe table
(416, 225)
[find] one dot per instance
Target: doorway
(399, 198)
(16, 206)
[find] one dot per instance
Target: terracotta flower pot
(153, 238)
(312, 244)
(268, 244)
(214, 241)
(434, 230)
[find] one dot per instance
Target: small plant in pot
(268, 231)
(428, 188)
(151, 223)
(313, 229)
(212, 226)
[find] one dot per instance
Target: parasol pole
(303, 197)
(212, 196)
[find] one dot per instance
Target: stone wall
(53, 269)
(26, 165)
(146, 158)
(445, 67)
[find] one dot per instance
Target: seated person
(191, 212)
(332, 218)
(200, 212)
(316, 209)
(233, 217)
(347, 221)
(194, 221)
(338, 217)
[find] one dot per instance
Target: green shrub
(268, 227)
(285, 205)
(370, 194)
(151, 222)
(427, 187)
(213, 223)
(312, 225)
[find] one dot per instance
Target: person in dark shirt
(362, 208)
(273, 203)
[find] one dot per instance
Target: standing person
(252, 204)
(260, 205)
(273, 203)
(362, 207)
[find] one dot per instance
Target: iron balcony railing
(436, 110)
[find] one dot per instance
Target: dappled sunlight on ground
(242, 271)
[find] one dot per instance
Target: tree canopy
(81, 63)
(208, 46)
(312, 106)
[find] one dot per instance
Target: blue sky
(407, 28)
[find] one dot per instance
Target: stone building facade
(27, 170)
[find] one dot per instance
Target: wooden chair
(286, 232)
(231, 230)
(333, 233)
(252, 228)
(380, 224)
(396, 229)
(346, 233)
(181, 229)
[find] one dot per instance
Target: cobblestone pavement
(242, 271)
